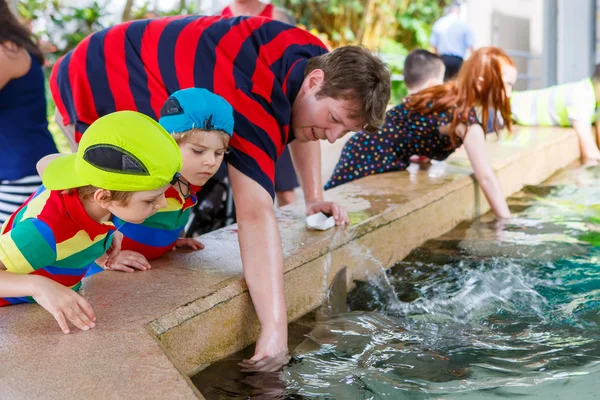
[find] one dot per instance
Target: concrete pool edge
(225, 322)
(190, 309)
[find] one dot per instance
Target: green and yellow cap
(125, 151)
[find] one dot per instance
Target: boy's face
(141, 205)
(202, 155)
(322, 118)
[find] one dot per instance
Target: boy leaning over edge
(123, 166)
(201, 123)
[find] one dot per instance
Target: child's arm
(587, 143)
(122, 260)
(189, 242)
(474, 145)
(60, 301)
(126, 261)
(28, 247)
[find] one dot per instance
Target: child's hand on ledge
(127, 261)
(188, 242)
(64, 304)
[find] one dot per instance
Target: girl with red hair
(435, 122)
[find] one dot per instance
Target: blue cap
(196, 108)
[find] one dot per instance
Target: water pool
(486, 310)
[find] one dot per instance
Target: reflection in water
(489, 309)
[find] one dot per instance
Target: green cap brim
(61, 174)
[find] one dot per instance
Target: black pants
(453, 64)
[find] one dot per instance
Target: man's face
(322, 118)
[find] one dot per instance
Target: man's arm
(262, 260)
(307, 161)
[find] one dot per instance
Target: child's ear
(102, 197)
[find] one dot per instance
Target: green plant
(65, 26)
(369, 22)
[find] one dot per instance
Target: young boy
(124, 165)
(571, 104)
(201, 123)
(422, 70)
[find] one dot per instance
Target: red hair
(479, 82)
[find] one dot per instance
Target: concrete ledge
(156, 327)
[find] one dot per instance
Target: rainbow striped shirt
(157, 235)
(52, 235)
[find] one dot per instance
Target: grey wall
(575, 39)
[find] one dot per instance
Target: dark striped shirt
(256, 64)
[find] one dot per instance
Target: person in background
(24, 135)
(434, 122)
(285, 174)
(451, 38)
(569, 105)
(422, 70)
(256, 8)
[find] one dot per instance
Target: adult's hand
(338, 212)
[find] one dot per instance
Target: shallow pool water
(488, 310)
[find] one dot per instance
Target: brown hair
(12, 31)
(353, 73)
(420, 66)
(186, 136)
(479, 82)
(87, 192)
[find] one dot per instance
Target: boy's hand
(64, 304)
(188, 242)
(126, 261)
(115, 246)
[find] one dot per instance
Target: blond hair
(190, 135)
(87, 192)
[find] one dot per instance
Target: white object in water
(320, 221)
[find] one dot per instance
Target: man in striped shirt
(570, 104)
(284, 87)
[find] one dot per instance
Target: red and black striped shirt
(256, 64)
